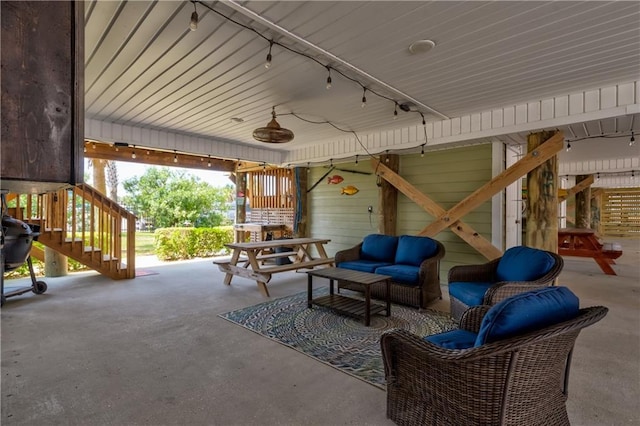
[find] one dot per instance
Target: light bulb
(328, 82)
(364, 101)
(632, 141)
(133, 154)
(421, 150)
(356, 159)
(209, 163)
(568, 146)
(93, 145)
(175, 157)
(85, 149)
(193, 25)
(268, 63)
(395, 113)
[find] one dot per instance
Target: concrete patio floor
(152, 351)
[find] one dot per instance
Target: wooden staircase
(83, 224)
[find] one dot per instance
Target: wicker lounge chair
(519, 380)
(520, 269)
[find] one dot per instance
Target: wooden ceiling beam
(156, 157)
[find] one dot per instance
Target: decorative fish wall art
(349, 190)
(335, 179)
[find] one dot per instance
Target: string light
(597, 176)
(93, 145)
(633, 175)
(386, 160)
(308, 167)
(568, 146)
(175, 156)
(356, 159)
(193, 25)
(422, 150)
(632, 141)
(395, 112)
(330, 162)
(329, 78)
(364, 97)
(209, 163)
(85, 148)
(133, 152)
(268, 63)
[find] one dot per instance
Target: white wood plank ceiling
(146, 69)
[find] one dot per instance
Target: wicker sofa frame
(501, 289)
(517, 381)
(419, 296)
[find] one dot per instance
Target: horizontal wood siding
(343, 218)
(446, 176)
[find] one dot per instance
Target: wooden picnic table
(248, 260)
(582, 242)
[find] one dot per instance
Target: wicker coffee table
(349, 305)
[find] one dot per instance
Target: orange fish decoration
(349, 190)
(336, 179)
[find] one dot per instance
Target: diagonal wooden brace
(459, 228)
(584, 184)
(533, 159)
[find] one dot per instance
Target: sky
(128, 170)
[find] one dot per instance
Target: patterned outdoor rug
(339, 341)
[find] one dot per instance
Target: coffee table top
(348, 275)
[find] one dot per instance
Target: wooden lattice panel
(271, 189)
(621, 212)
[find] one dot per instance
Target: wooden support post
(542, 198)
(585, 183)
(55, 263)
(300, 188)
(241, 203)
(388, 198)
(596, 209)
(583, 204)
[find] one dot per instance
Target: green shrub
(187, 243)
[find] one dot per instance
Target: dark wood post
(542, 198)
(388, 198)
(241, 202)
(301, 212)
(583, 205)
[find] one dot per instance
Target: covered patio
(154, 351)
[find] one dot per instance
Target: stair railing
(84, 224)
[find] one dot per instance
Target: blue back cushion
(524, 264)
(413, 250)
(526, 312)
(379, 247)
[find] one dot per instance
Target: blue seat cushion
(523, 264)
(471, 294)
(401, 274)
(413, 250)
(381, 248)
(454, 339)
(362, 265)
(526, 312)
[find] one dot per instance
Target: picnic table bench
(248, 259)
(581, 242)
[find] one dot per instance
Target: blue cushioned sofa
(507, 364)
(520, 269)
(412, 262)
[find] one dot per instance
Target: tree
(170, 198)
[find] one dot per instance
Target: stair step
(77, 240)
(89, 249)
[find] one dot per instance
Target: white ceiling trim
(160, 139)
(578, 107)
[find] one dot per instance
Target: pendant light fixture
(273, 133)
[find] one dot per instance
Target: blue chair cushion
(401, 274)
(381, 248)
(413, 250)
(523, 264)
(362, 265)
(526, 312)
(471, 294)
(454, 339)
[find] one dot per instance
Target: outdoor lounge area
(154, 351)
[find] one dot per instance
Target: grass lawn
(144, 243)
